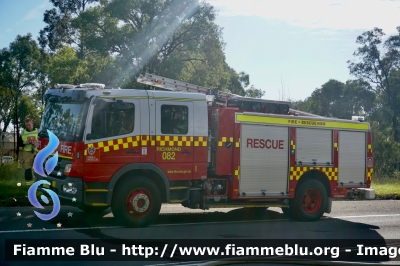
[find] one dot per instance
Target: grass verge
(386, 187)
(11, 193)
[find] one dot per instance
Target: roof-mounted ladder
(219, 96)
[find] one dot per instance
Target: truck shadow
(273, 222)
(234, 225)
(242, 224)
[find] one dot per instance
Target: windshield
(65, 120)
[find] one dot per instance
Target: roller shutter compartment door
(314, 146)
(352, 147)
(263, 160)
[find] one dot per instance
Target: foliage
(254, 92)
(111, 42)
(386, 151)
(251, 91)
(67, 68)
(6, 105)
(378, 64)
(10, 176)
(173, 38)
(19, 67)
(10, 172)
(27, 108)
(60, 29)
(340, 100)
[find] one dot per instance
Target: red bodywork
(190, 155)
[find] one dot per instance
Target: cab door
(174, 139)
(112, 137)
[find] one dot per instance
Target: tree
(254, 92)
(378, 65)
(178, 39)
(6, 106)
(244, 80)
(19, 66)
(119, 39)
(386, 150)
(27, 108)
(340, 100)
(60, 29)
(67, 68)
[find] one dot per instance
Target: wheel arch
(148, 170)
(315, 175)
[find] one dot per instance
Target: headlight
(69, 189)
(67, 169)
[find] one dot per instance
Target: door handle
(132, 151)
(186, 152)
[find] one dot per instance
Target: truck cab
(108, 136)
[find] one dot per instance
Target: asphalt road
(348, 220)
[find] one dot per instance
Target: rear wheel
(136, 202)
(310, 201)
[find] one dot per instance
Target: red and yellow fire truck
(133, 150)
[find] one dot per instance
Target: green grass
(10, 177)
(386, 187)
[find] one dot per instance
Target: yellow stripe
(98, 204)
(66, 157)
(124, 143)
(62, 156)
(177, 188)
(298, 122)
(96, 190)
(175, 201)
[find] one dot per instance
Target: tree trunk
(17, 131)
(396, 129)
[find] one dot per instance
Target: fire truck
(133, 150)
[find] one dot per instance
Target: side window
(112, 119)
(174, 119)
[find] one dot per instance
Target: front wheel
(310, 201)
(136, 202)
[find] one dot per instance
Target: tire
(310, 201)
(136, 202)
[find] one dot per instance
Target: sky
(289, 48)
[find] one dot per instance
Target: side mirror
(89, 136)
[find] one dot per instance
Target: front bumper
(57, 185)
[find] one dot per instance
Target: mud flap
(329, 205)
